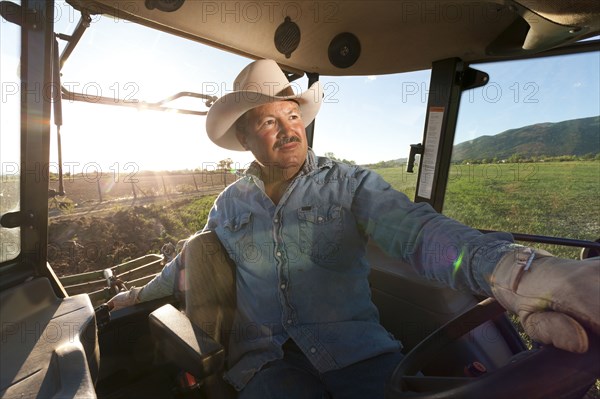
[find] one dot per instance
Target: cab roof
(365, 37)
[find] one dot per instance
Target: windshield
(10, 39)
(129, 166)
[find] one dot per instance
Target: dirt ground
(95, 241)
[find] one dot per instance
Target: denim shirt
(302, 269)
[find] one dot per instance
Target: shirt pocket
(238, 233)
(321, 229)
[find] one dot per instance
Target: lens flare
(457, 262)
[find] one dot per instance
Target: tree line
(521, 158)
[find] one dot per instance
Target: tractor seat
(197, 340)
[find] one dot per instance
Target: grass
(195, 214)
(560, 199)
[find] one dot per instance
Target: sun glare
(107, 137)
(115, 138)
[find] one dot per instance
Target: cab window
(372, 121)
(10, 38)
(526, 157)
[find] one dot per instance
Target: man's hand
(124, 299)
(554, 298)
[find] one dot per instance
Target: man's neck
(273, 174)
(277, 180)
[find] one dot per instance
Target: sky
(365, 119)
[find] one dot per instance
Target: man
(296, 227)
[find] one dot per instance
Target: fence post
(133, 190)
(164, 186)
(99, 190)
(195, 184)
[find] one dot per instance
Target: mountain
(572, 137)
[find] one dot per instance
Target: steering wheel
(538, 373)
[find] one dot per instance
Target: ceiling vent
(287, 37)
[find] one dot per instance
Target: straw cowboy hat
(259, 83)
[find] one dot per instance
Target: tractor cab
(488, 110)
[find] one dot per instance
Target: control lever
(113, 287)
(113, 284)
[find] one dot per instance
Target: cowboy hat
(259, 83)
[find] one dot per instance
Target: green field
(560, 199)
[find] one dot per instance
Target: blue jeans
(293, 377)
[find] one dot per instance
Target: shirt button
(278, 254)
(289, 321)
(320, 218)
(313, 350)
(275, 220)
(282, 286)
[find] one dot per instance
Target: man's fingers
(557, 329)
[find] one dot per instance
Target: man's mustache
(286, 140)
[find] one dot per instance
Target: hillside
(572, 137)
